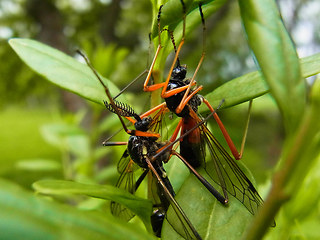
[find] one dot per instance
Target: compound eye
(175, 72)
(147, 120)
(143, 125)
(179, 72)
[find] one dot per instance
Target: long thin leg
(132, 82)
(114, 106)
(244, 138)
(165, 84)
(114, 143)
(180, 213)
(165, 93)
(172, 139)
(164, 89)
(237, 155)
(205, 183)
(149, 112)
(154, 87)
(169, 146)
(184, 100)
(174, 91)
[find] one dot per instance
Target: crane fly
(142, 145)
(181, 97)
(196, 141)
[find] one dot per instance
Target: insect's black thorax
(140, 147)
(174, 101)
(178, 79)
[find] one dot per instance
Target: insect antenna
(131, 83)
(174, 46)
(203, 29)
(124, 109)
(112, 103)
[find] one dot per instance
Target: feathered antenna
(124, 109)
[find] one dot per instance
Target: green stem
(298, 156)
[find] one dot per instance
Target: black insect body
(190, 146)
(140, 150)
(181, 97)
(143, 145)
(178, 80)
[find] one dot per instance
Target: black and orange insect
(196, 141)
(182, 98)
(143, 144)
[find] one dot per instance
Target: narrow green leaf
(252, 85)
(305, 148)
(38, 165)
(234, 92)
(26, 216)
(193, 19)
(276, 56)
(210, 218)
(141, 207)
(171, 18)
(310, 65)
(172, 13)
(238, 90)
(61, 69)
(57, 133)
(299, 154)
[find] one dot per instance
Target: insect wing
(179, 221)
(225, 171)
(126, 181)
(158, 124)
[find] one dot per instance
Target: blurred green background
(46, 132)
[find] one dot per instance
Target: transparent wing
(225, 171)
(126, 181)
(158, 124)
(179, 221)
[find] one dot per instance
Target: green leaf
(310, 65)
(141, 207)
(38, 165)
(67, 137)
(193, 19)
(252, 85)
(238, 90)
(210, 218)
(299, 154)
(234, 92)
(309, 192)
(172, 18)
(26, 216)
(172, 14)
(79, 145)
(276, 56)
(304, 148)
(61, 69)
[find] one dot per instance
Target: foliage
(280, 68)
(281, 73)
(73, 74)
(50, 220)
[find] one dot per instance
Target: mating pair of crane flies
(140, 151)
(144, 150)
(182, 98)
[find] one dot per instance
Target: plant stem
(298, 156)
